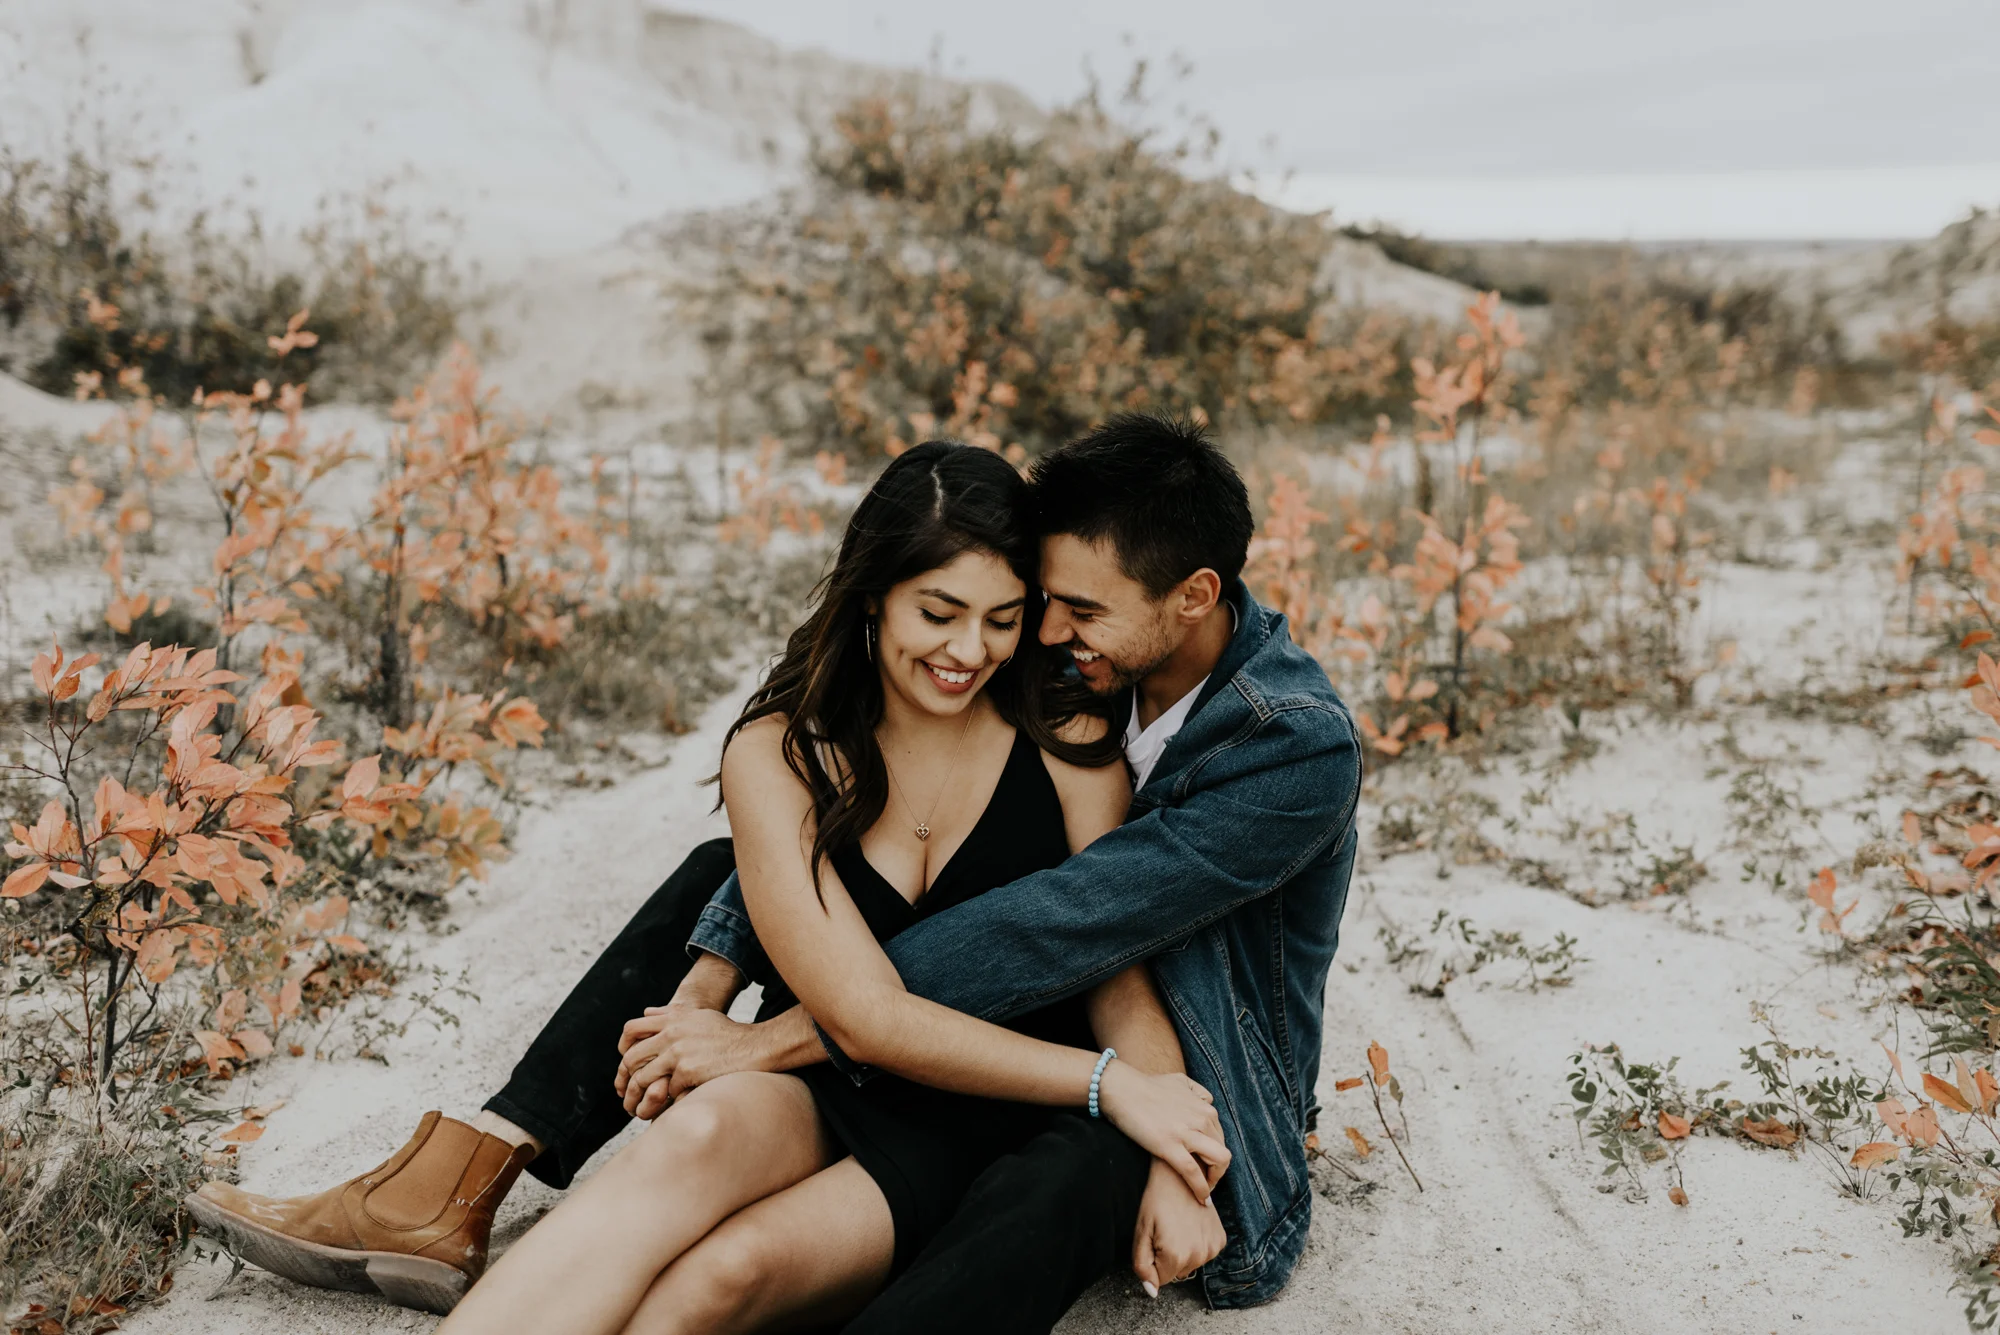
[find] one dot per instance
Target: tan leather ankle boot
(413, 1230)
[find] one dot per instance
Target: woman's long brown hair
(931, 505)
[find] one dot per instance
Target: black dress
(923, 1146)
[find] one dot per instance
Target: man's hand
(674, 1048)
(1177, 1234)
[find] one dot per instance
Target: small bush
(88, 290)
(1011, 289)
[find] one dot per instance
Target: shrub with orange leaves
(1953, 533)
(461, 529)
(110, 497)
(1378, 1078)
(944, 278)
(1938, 1144)
(1282, 571)
(405, 821)
(150, 872)
(767, 504)
(460, 535)
(1427, 633)
(1922, 1143)
(273, 552)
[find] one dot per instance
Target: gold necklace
(924, 825)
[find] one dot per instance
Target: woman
(906, 753)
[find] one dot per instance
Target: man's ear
(1199, 593)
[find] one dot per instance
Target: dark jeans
(1037, 1229)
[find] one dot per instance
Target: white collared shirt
(1147, 744)
(1143, 746)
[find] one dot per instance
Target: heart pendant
(923, 832)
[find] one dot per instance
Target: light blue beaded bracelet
(1097, 1077)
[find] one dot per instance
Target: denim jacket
(1230, 874)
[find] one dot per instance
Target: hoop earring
(1005, 661)
(868, 634)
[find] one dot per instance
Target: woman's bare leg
(813, 1253)
(583, 1270)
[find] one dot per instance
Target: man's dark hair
(1159, 489)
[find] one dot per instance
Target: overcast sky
(1839, 106)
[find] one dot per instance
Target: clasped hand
(1170, 1117)
(1174, 1118)
(674, 1048)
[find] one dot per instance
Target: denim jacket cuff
(722, 932)
(843, 1063)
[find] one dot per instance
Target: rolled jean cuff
(720, 931)
(548, 1165)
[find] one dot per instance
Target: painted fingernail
(1151, 1292)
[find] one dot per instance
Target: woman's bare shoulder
(757, 746)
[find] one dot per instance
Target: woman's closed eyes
(937, 620)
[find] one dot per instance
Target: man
(1230, 874)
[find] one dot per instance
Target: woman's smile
(952, 681)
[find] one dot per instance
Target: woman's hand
(1170, 1117)
(675, 1048)
(1177, 1234)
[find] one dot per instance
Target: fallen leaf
(216, 1049)
(1922, 1126)
(1677, 1196)
(352, 945)
(1828, 1011)
(1361, 1145)
(1913, 832)
(1352, 1082)
(1378, 1062)
(1672, 1127)
(1773, 1133)
(242, 1133)
(263, 1110)
(1875, 1153)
